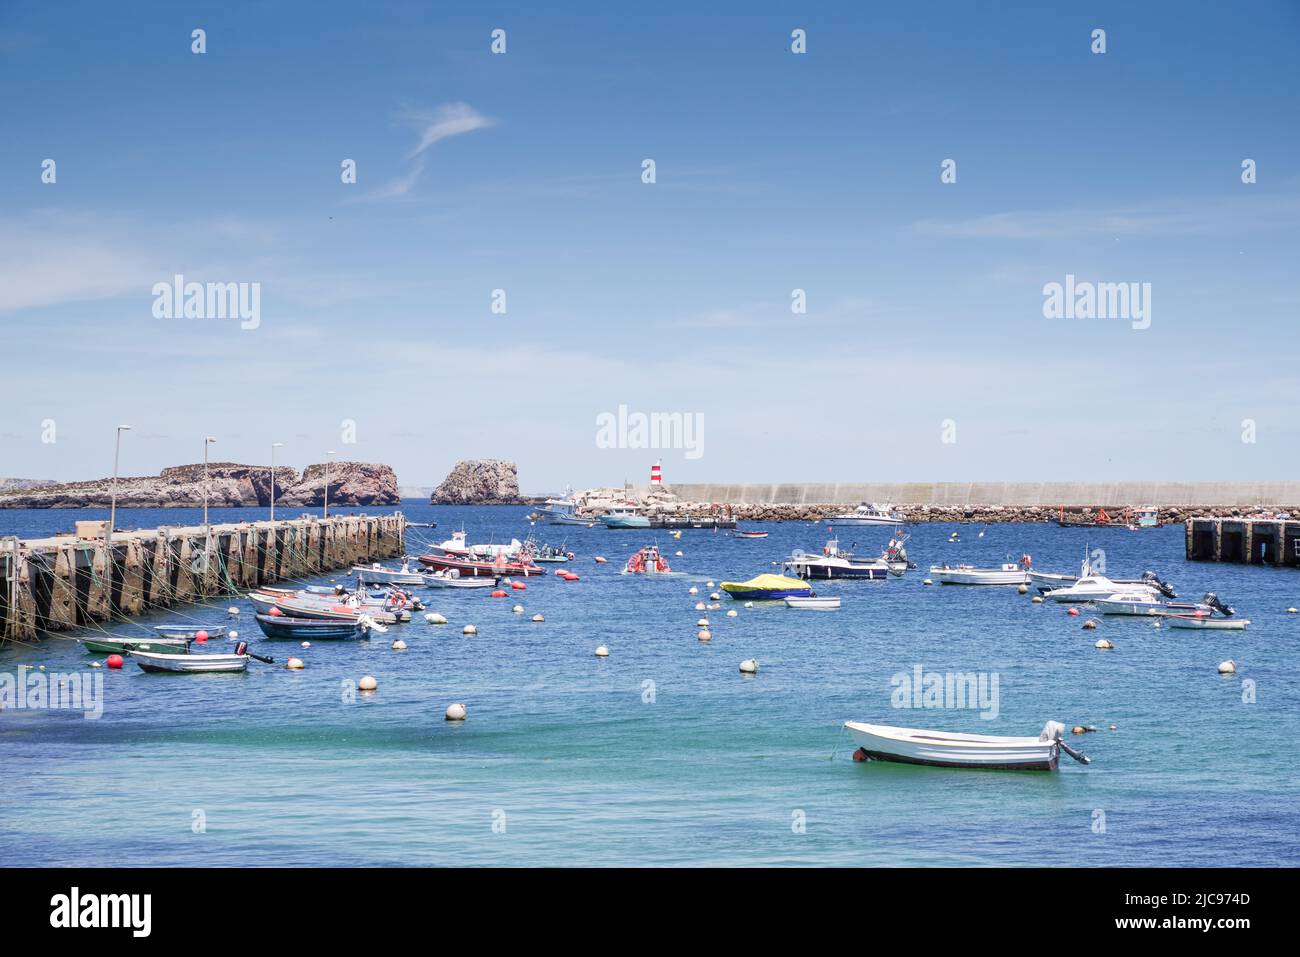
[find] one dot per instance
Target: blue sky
(775, 171)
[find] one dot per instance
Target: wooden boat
(120, 646)
(751, 534)
(947, 749)
(313, 629)
(301, 608)
(522, 567)
(1009, 574)
(768, 587)
(1207, 623)
(377, 574)
(189, 632)
(814, 602)
(191, 664)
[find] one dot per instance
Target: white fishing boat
(1140, 603)
(833, 563)
(948, 749)
(868, 514)
(190, 664)
(377, 574)
(1008, 574)
(625, 516)
(562, 511)
(816, 602)
(1207, 623)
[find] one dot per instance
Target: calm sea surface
(663, 753)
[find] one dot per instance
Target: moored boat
(377, 574)
(751, 534)
(832, 563)
(313, 629)
(647, 561)
(949, 749)
(768, 587)
(625, 516)
(1008, 574)
(869, 514)
(815, 602)
(302, 607)
(196, 664)
(474, 568)
(1207, 623)
(1092, 587)
(189, 632)
(119, 646)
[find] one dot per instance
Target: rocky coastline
(228, 485)
(480, 482)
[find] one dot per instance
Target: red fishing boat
(521, 566)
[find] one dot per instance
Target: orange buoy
(115, 661)
(201, 636)
(498, 593)
(561, 573)
(518, 586)
(572, 578)
(1073, 613)
(275, 612)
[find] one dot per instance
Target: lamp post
(112, 507)
(327, 482)
(206, 442)
(274, 446)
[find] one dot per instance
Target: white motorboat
(377, 574)
(1207, 623)
(1009, 574)
(832, 563)
(947, 749)
(1093, 587)
(1046, 581)
(562, 511)
(818, 603)
(192, 664)
(868, 514)
(1141, 603)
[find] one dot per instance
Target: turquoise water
(566, 759)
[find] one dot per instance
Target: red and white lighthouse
(656, 474)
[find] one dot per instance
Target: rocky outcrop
(479, 482)
(228, 484)
(22, 485)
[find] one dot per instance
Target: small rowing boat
(196, 664)
(188, 632)
(1207, 623)
(377, 574)
(751, 534)
(120, 646)
(1009, 574)
(948, 749)
(814, 602)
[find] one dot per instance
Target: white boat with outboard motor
(197, 664)
(1207, 623)
(1009, 573)
(377, 574)
(949, 749)
(1093, 587)
(869, 514)
(1141, 603)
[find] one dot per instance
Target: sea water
(664, 753)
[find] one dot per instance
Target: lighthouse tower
(656, 473)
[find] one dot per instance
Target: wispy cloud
(433, 126)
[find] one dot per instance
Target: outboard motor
(1212, 600)
(1152, 579)
(241, 648)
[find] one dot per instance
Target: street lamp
(206, 442)
(112, 507)
(274, 446)
(327, 483)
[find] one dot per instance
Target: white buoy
(732, 613)
(538, 617)
(749, 666)
(749, 604)
(1090, 624)
(600, 559)
(234, 635)
(1023, 589)
(1292, 611)
(927, 582)
(434, 618)
(1037, 600)
(1227, 667)
(1156, 623)
(96, 664)
(700, 606)
(694, 590)
(715, 597)
(1104, 644)
(708, 584)
(518, 609)
(306, 644)
(702, 623)
(399, 645)
(368, 683)
(469, 630)
(232, 611)
(705, 635)
(294, 664)
(602, 651)
(455, 712)
(679, 553)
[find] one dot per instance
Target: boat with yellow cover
(768, 586)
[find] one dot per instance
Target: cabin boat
(561, 511)
(832, 563)
(1008, 574)
(869, 514)
(949, 749)
(1139, 603)
(522, 566)
(768, 587)
(815, 602)
(1046, 581)
(625, 516)
(1092, 587)
(647, 561)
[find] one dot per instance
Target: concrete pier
(56, 584)
(1253, 541)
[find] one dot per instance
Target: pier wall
(1052, 494)
(56, 584)
(1252, 541)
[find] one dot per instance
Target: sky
(924, 353)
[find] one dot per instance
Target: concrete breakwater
(970, 514)
(56, 584)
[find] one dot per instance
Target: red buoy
(1073, 612)
(115, 661)
(572, 577)
(498, 594)
(860, 755)
(275, 612)
(561, 573)
(201, 636)
(518, 586)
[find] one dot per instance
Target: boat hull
(815, 604)
(625, 521)
(311, 629)
(190, 664)
(299, 609)
(473, 569)
(384, 576)
(120, 646)
(1208, 624)
(978, 576)
(943, 749)
(830, 570)
(772, 589)
(1152, 609)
